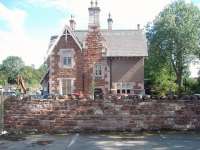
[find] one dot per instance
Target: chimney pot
(110, 22)
(91, 3)
(138, 26)
(72, 23)
(94, 13)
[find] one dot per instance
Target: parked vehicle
(9, 94)
(98, 93)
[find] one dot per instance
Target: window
(66, 86)
(67, 61)
(66, 58)
(123, 91)
(118, 91)
(124, 87)
(98, 71)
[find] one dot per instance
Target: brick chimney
(92, 54)
(110, 22)
(94, 12)
(72, 23)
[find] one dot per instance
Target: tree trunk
(179, 82)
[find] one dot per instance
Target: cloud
(15, 18)
(126, 13)
(16, 41)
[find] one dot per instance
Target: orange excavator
(20, 84)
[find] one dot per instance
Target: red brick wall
(56, 72)
(110, 115)
(92, 54)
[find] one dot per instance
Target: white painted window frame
(60, 84)
(96, 76)
(66, 53)
(124, 86)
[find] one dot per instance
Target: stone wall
(57, 72)
(92, 54)
(109, 115)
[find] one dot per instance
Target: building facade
(80, 61)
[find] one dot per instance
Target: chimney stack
(72, 23)
(110, 22)
(94, 12)
(138, 26)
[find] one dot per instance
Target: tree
(2, 77)
(42, 70)
(33, 76)
(11, 67)
(174, 37)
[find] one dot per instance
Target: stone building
(106, 59)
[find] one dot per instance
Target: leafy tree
(33, 76)
(42, 70)
(3, 78)
(173, 38)
(11, 67)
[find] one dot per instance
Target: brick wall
(92, 54)
(109, 115)
(57, 72)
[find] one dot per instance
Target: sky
(26, 25)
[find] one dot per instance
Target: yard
(112, 141)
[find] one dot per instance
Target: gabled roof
(118, 42)
(55, 42)
(121, 42)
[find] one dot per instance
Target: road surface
(162, 141)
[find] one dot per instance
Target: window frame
(98, 71)
(124, 87)
(66, 54)
(66, 61)
(65, 81)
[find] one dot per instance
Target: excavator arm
(20, 84)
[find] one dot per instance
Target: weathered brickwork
(108, 61)
(93, 55)
(84, 60)
(57, 72)
(109, 115)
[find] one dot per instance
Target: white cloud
(16, 41)
(126, 13)
(15, 18)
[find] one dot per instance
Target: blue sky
(26, 25)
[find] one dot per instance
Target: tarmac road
(117, 141)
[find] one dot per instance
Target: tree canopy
(173, 38)
(13, 66)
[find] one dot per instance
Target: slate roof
(121, 42)
(118, 42)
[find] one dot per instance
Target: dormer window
(67, 61)
(66, 58)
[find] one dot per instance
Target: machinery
(20, 84)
